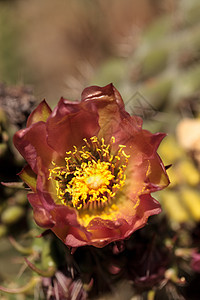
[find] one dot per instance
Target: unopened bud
(12, 214)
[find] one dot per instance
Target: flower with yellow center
(91, 168)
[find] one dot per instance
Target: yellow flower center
(91, 176)
(95, 181)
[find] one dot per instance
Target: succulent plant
(160, 83)
(16, 103)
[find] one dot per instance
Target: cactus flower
(91, 168)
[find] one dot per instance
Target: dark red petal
(107, 93)
(98, 93)
(43, 218)
(31, 143)
(64, 215)
(67, 225)
(69, 124)
(34, 200)
(45, 190)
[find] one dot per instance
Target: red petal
(72, 241)
(31, 143)
(104, 232)
(157, 178)
(148, 207)
(98, 93)
(106, 93)
(43, 218)
(34, 200)
(156, 139)
(108, 102)
(67, 225)
(69, 124)
(41, 113)
(101, 232)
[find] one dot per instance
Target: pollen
(91, 176)
(95, 182)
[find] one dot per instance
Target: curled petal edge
(43, 218)
(41, 113)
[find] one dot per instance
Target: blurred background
(62, 45)
(150, 51)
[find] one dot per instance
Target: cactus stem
(14, 185)
(44, 273)
(20, 248)
(24, 289)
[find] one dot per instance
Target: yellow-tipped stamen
(92, 175)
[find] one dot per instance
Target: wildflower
(91, 168)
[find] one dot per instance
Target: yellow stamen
(92, 175)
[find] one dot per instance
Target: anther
(92, 175)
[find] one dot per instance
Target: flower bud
(12, 214)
